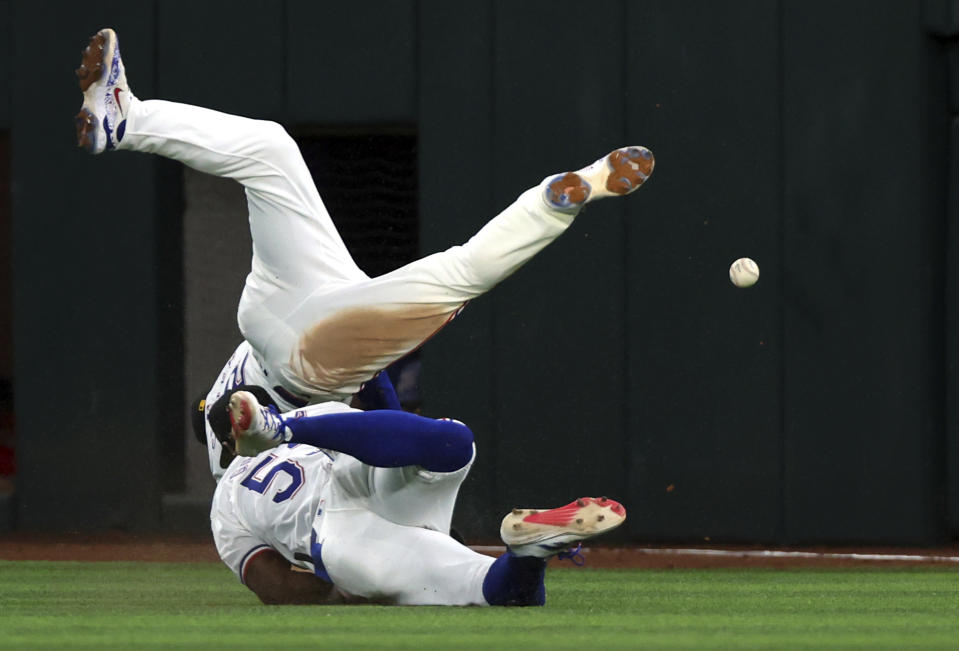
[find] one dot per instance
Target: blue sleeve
(388, 438)
(379, 393)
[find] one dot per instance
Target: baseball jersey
(270, 502)
(243, 368)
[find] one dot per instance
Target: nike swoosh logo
(116, 96)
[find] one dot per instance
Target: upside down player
(315, 326)
(364, 500)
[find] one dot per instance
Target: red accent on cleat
(612, 505)
(558, 517)
(543, 533)
(563, 515)
(242, 423)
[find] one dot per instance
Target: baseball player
(363, 501)
(315, 326)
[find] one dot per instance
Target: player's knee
(461, 441)
(459, 431)
(277, 140)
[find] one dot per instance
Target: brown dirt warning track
(117, 546)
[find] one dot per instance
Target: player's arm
(259, 566)
(273, 579)
(377, 393)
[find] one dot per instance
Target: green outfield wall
(815, 137)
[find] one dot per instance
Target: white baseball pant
(316, 322)
(384, 536)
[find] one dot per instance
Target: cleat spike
(567, 191)
(86, 125)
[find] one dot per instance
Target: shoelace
(573, 554)
(273, 422)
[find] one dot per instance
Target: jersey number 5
(260, 478)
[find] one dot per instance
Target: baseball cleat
(545, 533)
(617, 174)
(255, 428)
(106, 94)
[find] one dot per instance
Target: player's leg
(368, 556)
(383, 438)
(293, 235)
(404, 467)
(414, 496)
(295, 241)
(348, 334)
(371, 557)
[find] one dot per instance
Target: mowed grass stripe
(141, 605)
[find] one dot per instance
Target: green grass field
(160, 605)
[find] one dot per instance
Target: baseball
(744, 272)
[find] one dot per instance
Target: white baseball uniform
(383, 531)
(315, 325)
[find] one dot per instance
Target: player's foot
(545, 533)
(106, 94)
(617, 174)
(255, 427)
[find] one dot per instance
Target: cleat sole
(92, 63)
(568, 190)
(584, 518)
(621, 172)
(243, 428)
(240, 419)
(629, 168)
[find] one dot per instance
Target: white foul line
(769, 553)
(762, 553)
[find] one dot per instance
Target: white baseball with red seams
(744, 272)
